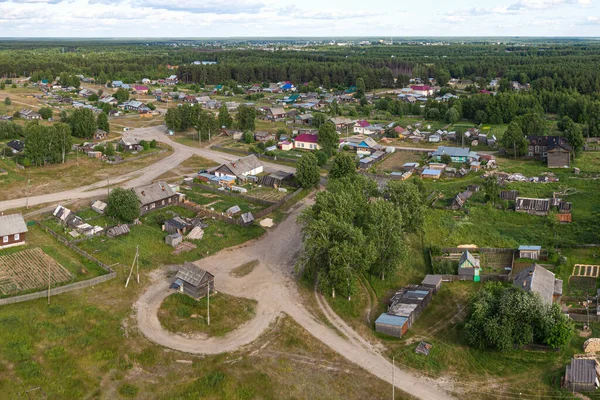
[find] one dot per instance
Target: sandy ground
(273, 285)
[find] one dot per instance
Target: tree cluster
(502, 318)
(46, 144)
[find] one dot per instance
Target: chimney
(530, 273)
(524, 283)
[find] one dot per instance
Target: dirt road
(272, 284)
(139, 177)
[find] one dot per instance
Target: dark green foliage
(343, 165)
(121, 95)
(445, 267)
(503, 317)
(10, 130)
(47, 144)
(224, 119)
(153, 144)
(83, 123)
(446, 159)
(246, 118)
(328, 138)
(248, 137)
(45, 112)
(102, 122)
(322, 157)
(491, 189)
(514, 140)
(7, 101)
(123, 205)
(308, 172)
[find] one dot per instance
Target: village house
(307, 141)
(342, 123)
(422, 90)
(155, 195)
(539, 280)
(130, 144)
(16, 146)
(232, 133)
(540, 148)
(241, 168)
(457, 154)
(364, 146)
(275, 113)
(140, 89)
(12, 230)
(85, 93)
(132, 105)
(263, 136)
(171, 80)
(29, 115)
(285, 145)
(193, 281)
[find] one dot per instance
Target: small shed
(391, 325)
(193, 281)
(431, 173)
(173, 239)
(581, 375)
(117, 230)
(247, 218)
(233, 210)
(531, 252)
(432, 281)
(99, 206)
(176, 225)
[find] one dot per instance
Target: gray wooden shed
(193, 281)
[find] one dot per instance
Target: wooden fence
(483, 278)
(455, 250)
(260, 156)
(111, 274)
(238, 221)
(233, 194)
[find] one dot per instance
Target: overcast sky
(227, 18)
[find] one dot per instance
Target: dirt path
(272, 284)
(135, 178)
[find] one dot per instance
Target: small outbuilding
(117, 231)
(12, 230)
(193, 281)
(176, 225)
(391, 325)
(531, 252)
(429, 173)
(173, 239)
(432, 281)
(99, 206)
(581, 375)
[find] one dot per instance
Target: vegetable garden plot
(590, 271)
(29, 269)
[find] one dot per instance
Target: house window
(5, 239)
(530, 154)
(163, 203)
(152, 206)
(17, 236)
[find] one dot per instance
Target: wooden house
(559, 156)
(193, 281)
(155, 195)
(538, 279)
(12, 230)
(263, 136)
(241, 168)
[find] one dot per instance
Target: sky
(277, 18)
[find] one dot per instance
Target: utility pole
(515, 148)
(137, 252)
(108, 185)
(49, 284)
(393, 383)
(28, 181)
(208, 305)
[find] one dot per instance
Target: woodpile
(592, 345)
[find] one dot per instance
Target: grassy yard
(220, 202)
(396, 160)
(76, 172)
(244, 269)
(181, 314)
(190, 167)
(155, 252)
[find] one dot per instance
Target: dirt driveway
(273, 286)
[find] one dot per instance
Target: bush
(7, 101)
(145, 145)
(153, 144)
(123, 205)
(445, 267)
(260, 145)
(128, 390)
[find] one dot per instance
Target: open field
(180, 313)
(396, 160)
(28, 270)
(189, 167)
(76, 172)
(154, 252)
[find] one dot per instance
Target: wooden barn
(391, 325)
(12, 230)
(193, 281)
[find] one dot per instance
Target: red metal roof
(363, 123)
(307, 138)
(421, 87)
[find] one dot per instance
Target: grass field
(189, 167)
(181, 314)
(154, 252)
(396, 160)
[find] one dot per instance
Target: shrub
(128, 390)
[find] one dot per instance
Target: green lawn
(180, 313)
(153, 250)
(220, 202)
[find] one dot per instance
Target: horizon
(268, 18)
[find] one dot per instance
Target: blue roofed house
(117, 84)
(457, 154)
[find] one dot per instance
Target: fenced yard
(29, 269)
